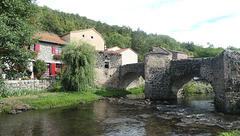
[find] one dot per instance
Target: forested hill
(60, 23)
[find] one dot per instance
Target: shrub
(56, 87)
(25, 78)
(39, 68)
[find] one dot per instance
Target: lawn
(46, 100)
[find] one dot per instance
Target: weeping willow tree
(79, 58)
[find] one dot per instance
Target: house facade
(109, 60)
(91, 36)
(176, 55)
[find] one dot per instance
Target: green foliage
(17, 23)
(2, 88)
(25, 78)
(194, 87)
(39, 68)
(11, 93)
(233, 48)
(56, 87)
(233, 133)
(139, 90)
(80, 59)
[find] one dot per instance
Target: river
(123, 117)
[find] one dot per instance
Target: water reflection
(182, 117)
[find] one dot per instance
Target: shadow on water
(192, 116)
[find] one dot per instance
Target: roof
(177, 52)
(110, 49)
(77, 31)
(51, 39)
(159, 50)
(120, 51)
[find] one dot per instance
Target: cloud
(200, 21)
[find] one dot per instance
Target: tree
(39, 68)
(80, 59)
(233, 48)
(17, 23)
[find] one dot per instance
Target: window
(83, 35)
(32, 47)
(91, 37)
(47, 73)
(58, 67)
(58, 50)
(106, 65)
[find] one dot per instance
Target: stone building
(109, 60)
(176, 55)
(90, 36)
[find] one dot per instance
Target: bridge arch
(223, 72)
(131, 75)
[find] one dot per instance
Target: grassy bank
(46, 100)
(234, 133)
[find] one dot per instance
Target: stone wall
(131, 75)
(108, 77)
(164, 78)
(46, 52)
(229, 96)
(156, 62)
(28, 84)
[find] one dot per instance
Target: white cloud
(197, 20)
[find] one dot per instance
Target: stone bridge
(164, 77)
(131, 75)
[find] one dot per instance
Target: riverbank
(46, 100)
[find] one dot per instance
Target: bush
(25, 78)
(56, 87)
(2, 88)
(39, 68)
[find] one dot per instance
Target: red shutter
(37, 47)
(53, 49)
(53, 66)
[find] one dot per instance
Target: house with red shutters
(50, 47)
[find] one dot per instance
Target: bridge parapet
(166, 77)
(135, 68)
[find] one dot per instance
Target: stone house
(178, 55)
(90, 36)
(129, 56)
(109, 60)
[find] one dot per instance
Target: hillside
(57, 22)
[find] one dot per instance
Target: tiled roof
(177, 51)
(49, 38)
(118, 51)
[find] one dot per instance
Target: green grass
(11, 93)
(46, 100)
(233, 133)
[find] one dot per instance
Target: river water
(123, 117)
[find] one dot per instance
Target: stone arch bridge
(164, 76)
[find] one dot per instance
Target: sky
(200, 21)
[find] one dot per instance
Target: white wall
(129, 57)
